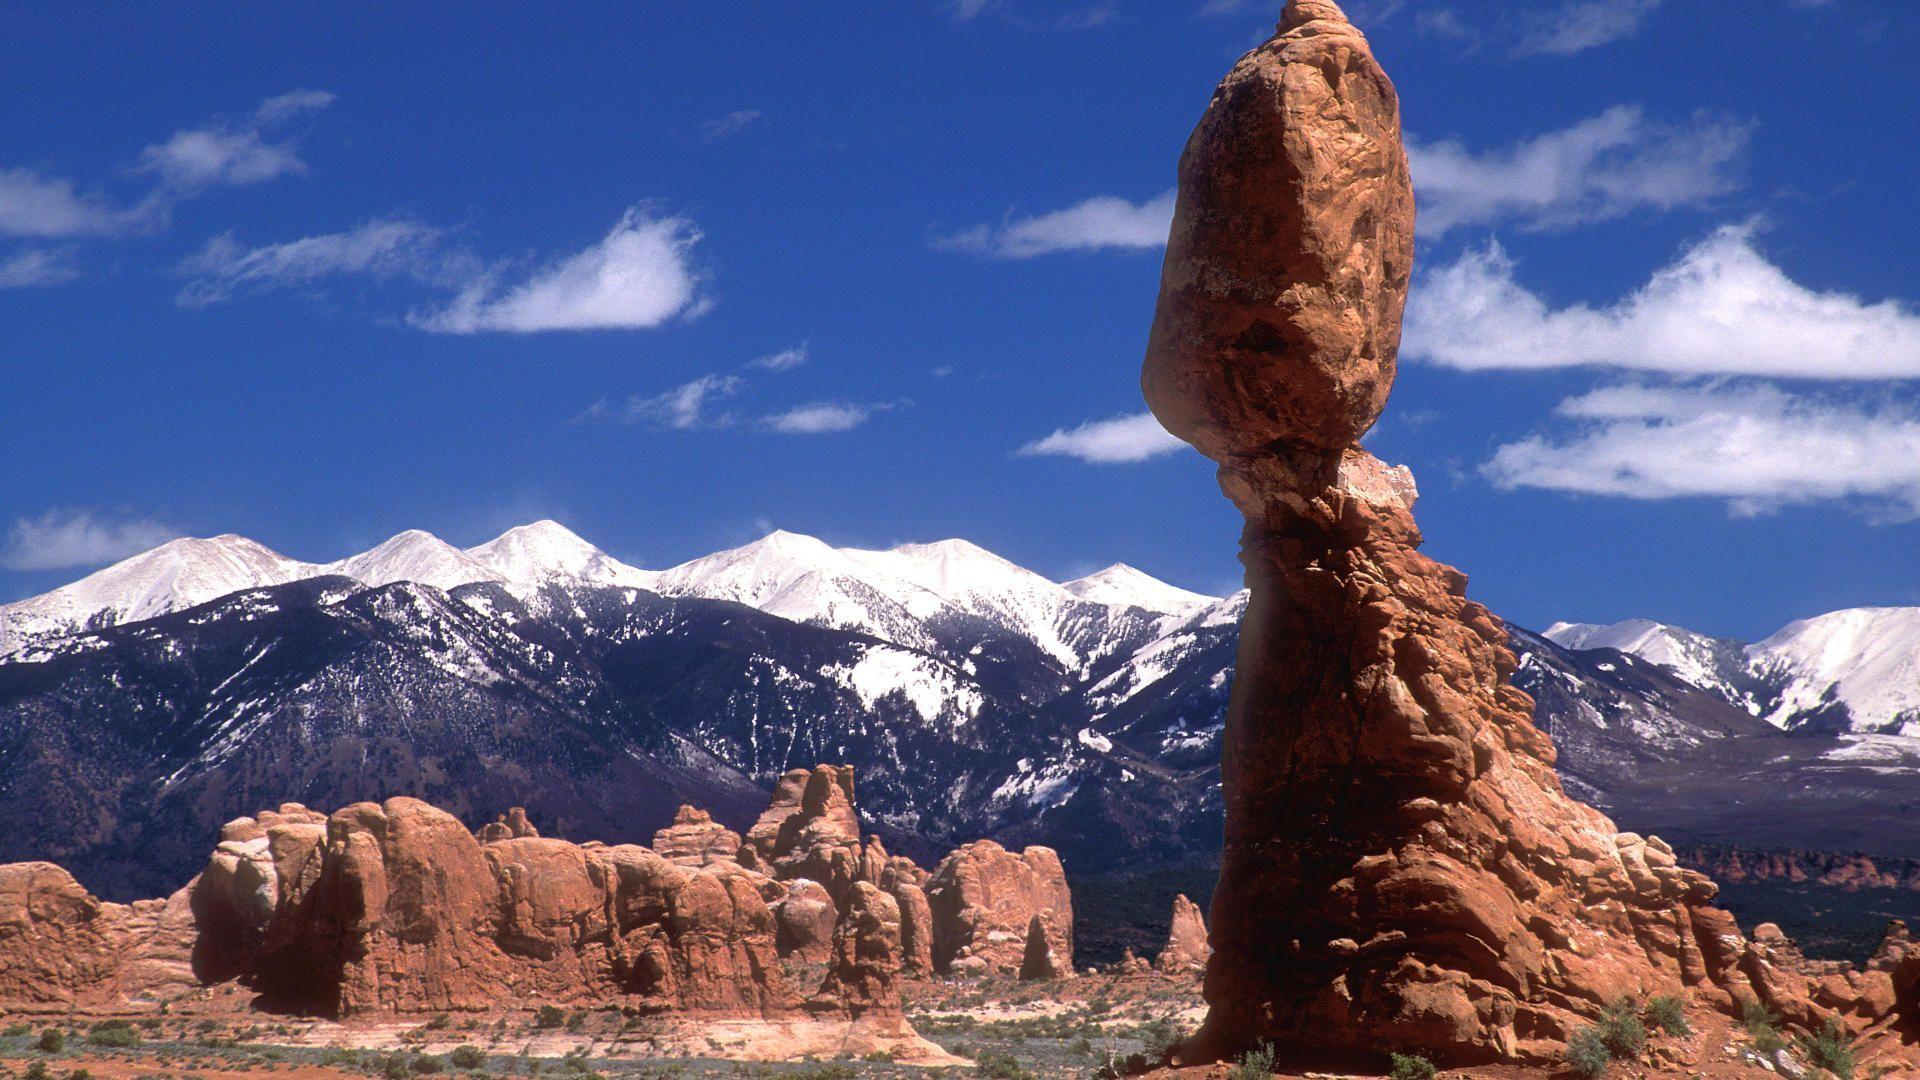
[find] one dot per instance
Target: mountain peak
(1126, 586)
(417, 556)
(546, 550)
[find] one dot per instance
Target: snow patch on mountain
(1709, 663)
(546, 552)
(1863, 660)
(1121, 585)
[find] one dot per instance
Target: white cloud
(638, 276)
(1722, 308)
(824, 417)
(59, 539)
(37, 266)
(1103, 221)
(230, 153)
(1600, 168)
(1581, 25)
(383, 248)
(32, 204)
(1755, 446)
(1122, 439)
(725, 127)
(784, 360)
(684, 408)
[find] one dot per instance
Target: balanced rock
(986, 904)
(1187, 950)
(1401, 866)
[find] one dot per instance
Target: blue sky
(676, 274)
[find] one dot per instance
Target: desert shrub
(1587, 1054)
(999, 1065)
(1160, 1038)
(1762, 1026)
(51, 1041)
(1668, 1015)
(394, 1067)
(578, 1020)
(1829, 1049)
(338, 1055)
(1255, 1064)
(427, 1065)
(439, 1022)
(38, 1071)
(468, 1057)
(1620, 1028)
(1411, 1067)
(80, 1074)
(549, 1016)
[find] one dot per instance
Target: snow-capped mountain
(178, 574)
(1856, 670)
(1852, 670)
(415, 556)
(1122, 586)
(1710, 663)
(547, 551)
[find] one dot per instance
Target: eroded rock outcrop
(995, 912)
(1401, 866)
(396, 908)
(1186, 951)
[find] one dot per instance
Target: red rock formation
(1187, 949)
(905, 882)
(805, 917)
(1401, 868)
(695, 839)
(986, 903)
(811, 830)
(62, 948)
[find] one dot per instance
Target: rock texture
(1402, 868)
(395, 908)
(995, 912)
(1187, 950)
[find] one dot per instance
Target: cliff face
(1402, 868)
(396, 908)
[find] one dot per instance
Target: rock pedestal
(1401, 868)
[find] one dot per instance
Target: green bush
(549, 1016)
(427, 1065)
(1620, 1028)
(1762, 1026)
(1255, 1064)
(1587, 1053)
(439, 1022)
(1668, 1015)
(1829, 1049)
(52, 1041)
(1160, 1038)
(394, 1067)
(578, 1020)
(999, 1065)
(117, 1033)
(1411, 1067)
(39, 1071)
(15, 1031)
(80, 1074)
(468, 1057)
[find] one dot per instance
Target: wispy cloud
(235, 152)
(1021, 15)
(687, 407)
(32, 267)
(1104, 221)
(1754, 446)
(639, 275)
(1722, 308)
(1120, 440)
(36, 205)
(389, 247)
(60, 539)
(825, 417)
(1580, 25)
(1600, 168)
(784, 360)
(726, 127)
